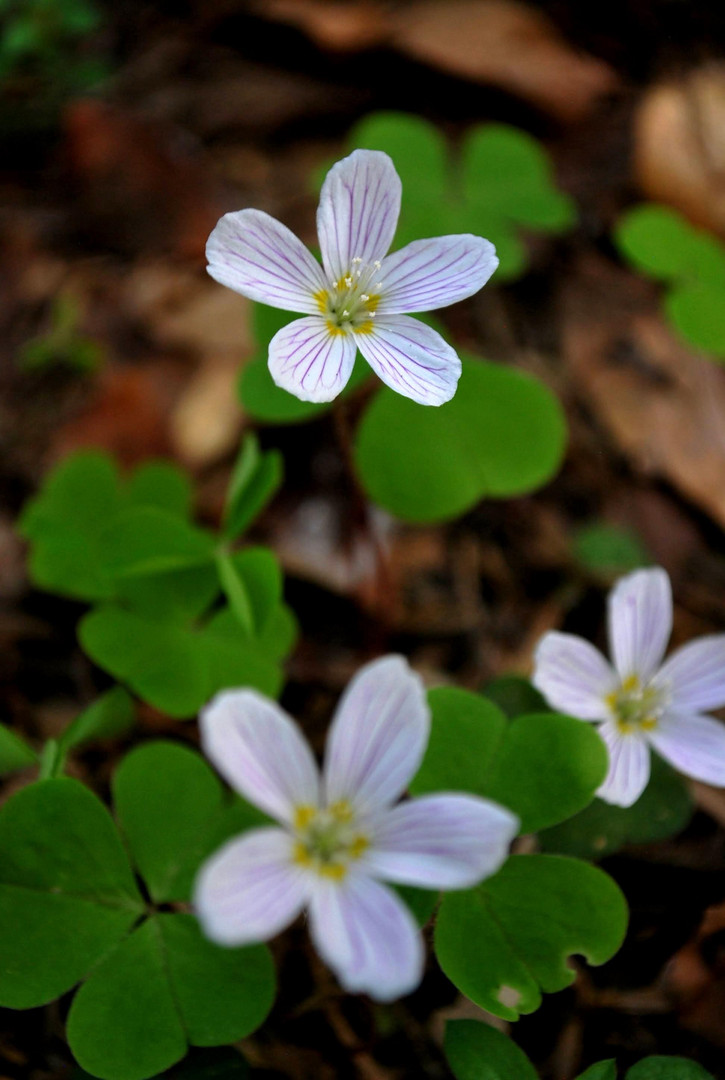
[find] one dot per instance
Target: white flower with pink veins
(341, 833)
(359, 296)
(639, 701)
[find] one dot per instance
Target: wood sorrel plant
(157, 916)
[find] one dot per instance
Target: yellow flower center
(636, 707)
(351, 304)
(327, 840)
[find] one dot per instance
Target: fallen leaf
(679, 145)
(509, 45)
(207, 421)
(341, 27)
(662, 405)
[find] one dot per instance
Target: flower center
(350, 304)
(327, 840)
(636, 707)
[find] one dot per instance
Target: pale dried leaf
(207, 421)
(662, 404)
(507, 44)
(679, 145)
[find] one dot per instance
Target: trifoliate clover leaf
(508, 940)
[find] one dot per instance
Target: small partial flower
(358, 297)
(638, 701)
(340, 834)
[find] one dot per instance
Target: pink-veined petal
(412, 359)
(310, 361)
(629, 766)
(251, 888)
(259, 257)
(366, 934)
(695, 745)
(260, 752)
(378, 737)
(358, 211)
(694, 676)
(446, 841)
(429, 274)
(640, 622)
(573, 676)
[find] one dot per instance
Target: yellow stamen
(334, 871)
(341, 810)
(321, 297)
(304, 815)
(358, 847)
(301, 856)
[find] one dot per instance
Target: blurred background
(128, 128)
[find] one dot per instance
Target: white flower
(356, 300)
(639, 701)
(340, 832)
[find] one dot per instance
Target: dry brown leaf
(679, 145)
(182, 309)
(508, 44)
(207, 421)
(342, 27)
(662, 405)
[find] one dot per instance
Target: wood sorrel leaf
(603, 1070)
(252, 582)
(173, 811)
(663, 809)
(507, 940)
(163, 988)
(256, 477)
(71, 521)
(502, 434)
(507, 183)
(144, 540)
(476, 1051)
(109, 715)
(163, 485)
(15, 753)
(67, 892)
(668, 1068)
(64, 523)
(508, 175)
(472, 747)
(662, 243)
(177, 668)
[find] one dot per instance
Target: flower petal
(447, 841)
(358, 211)
(695, 675)
(310, 361)
(573, 676)
(629, 764)
(378, 737)
(693, 744)
(412, 359)
(259, 257)
(260, 752)
(640, 622)
(250, 889)
(433, 273)
(367, 936)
